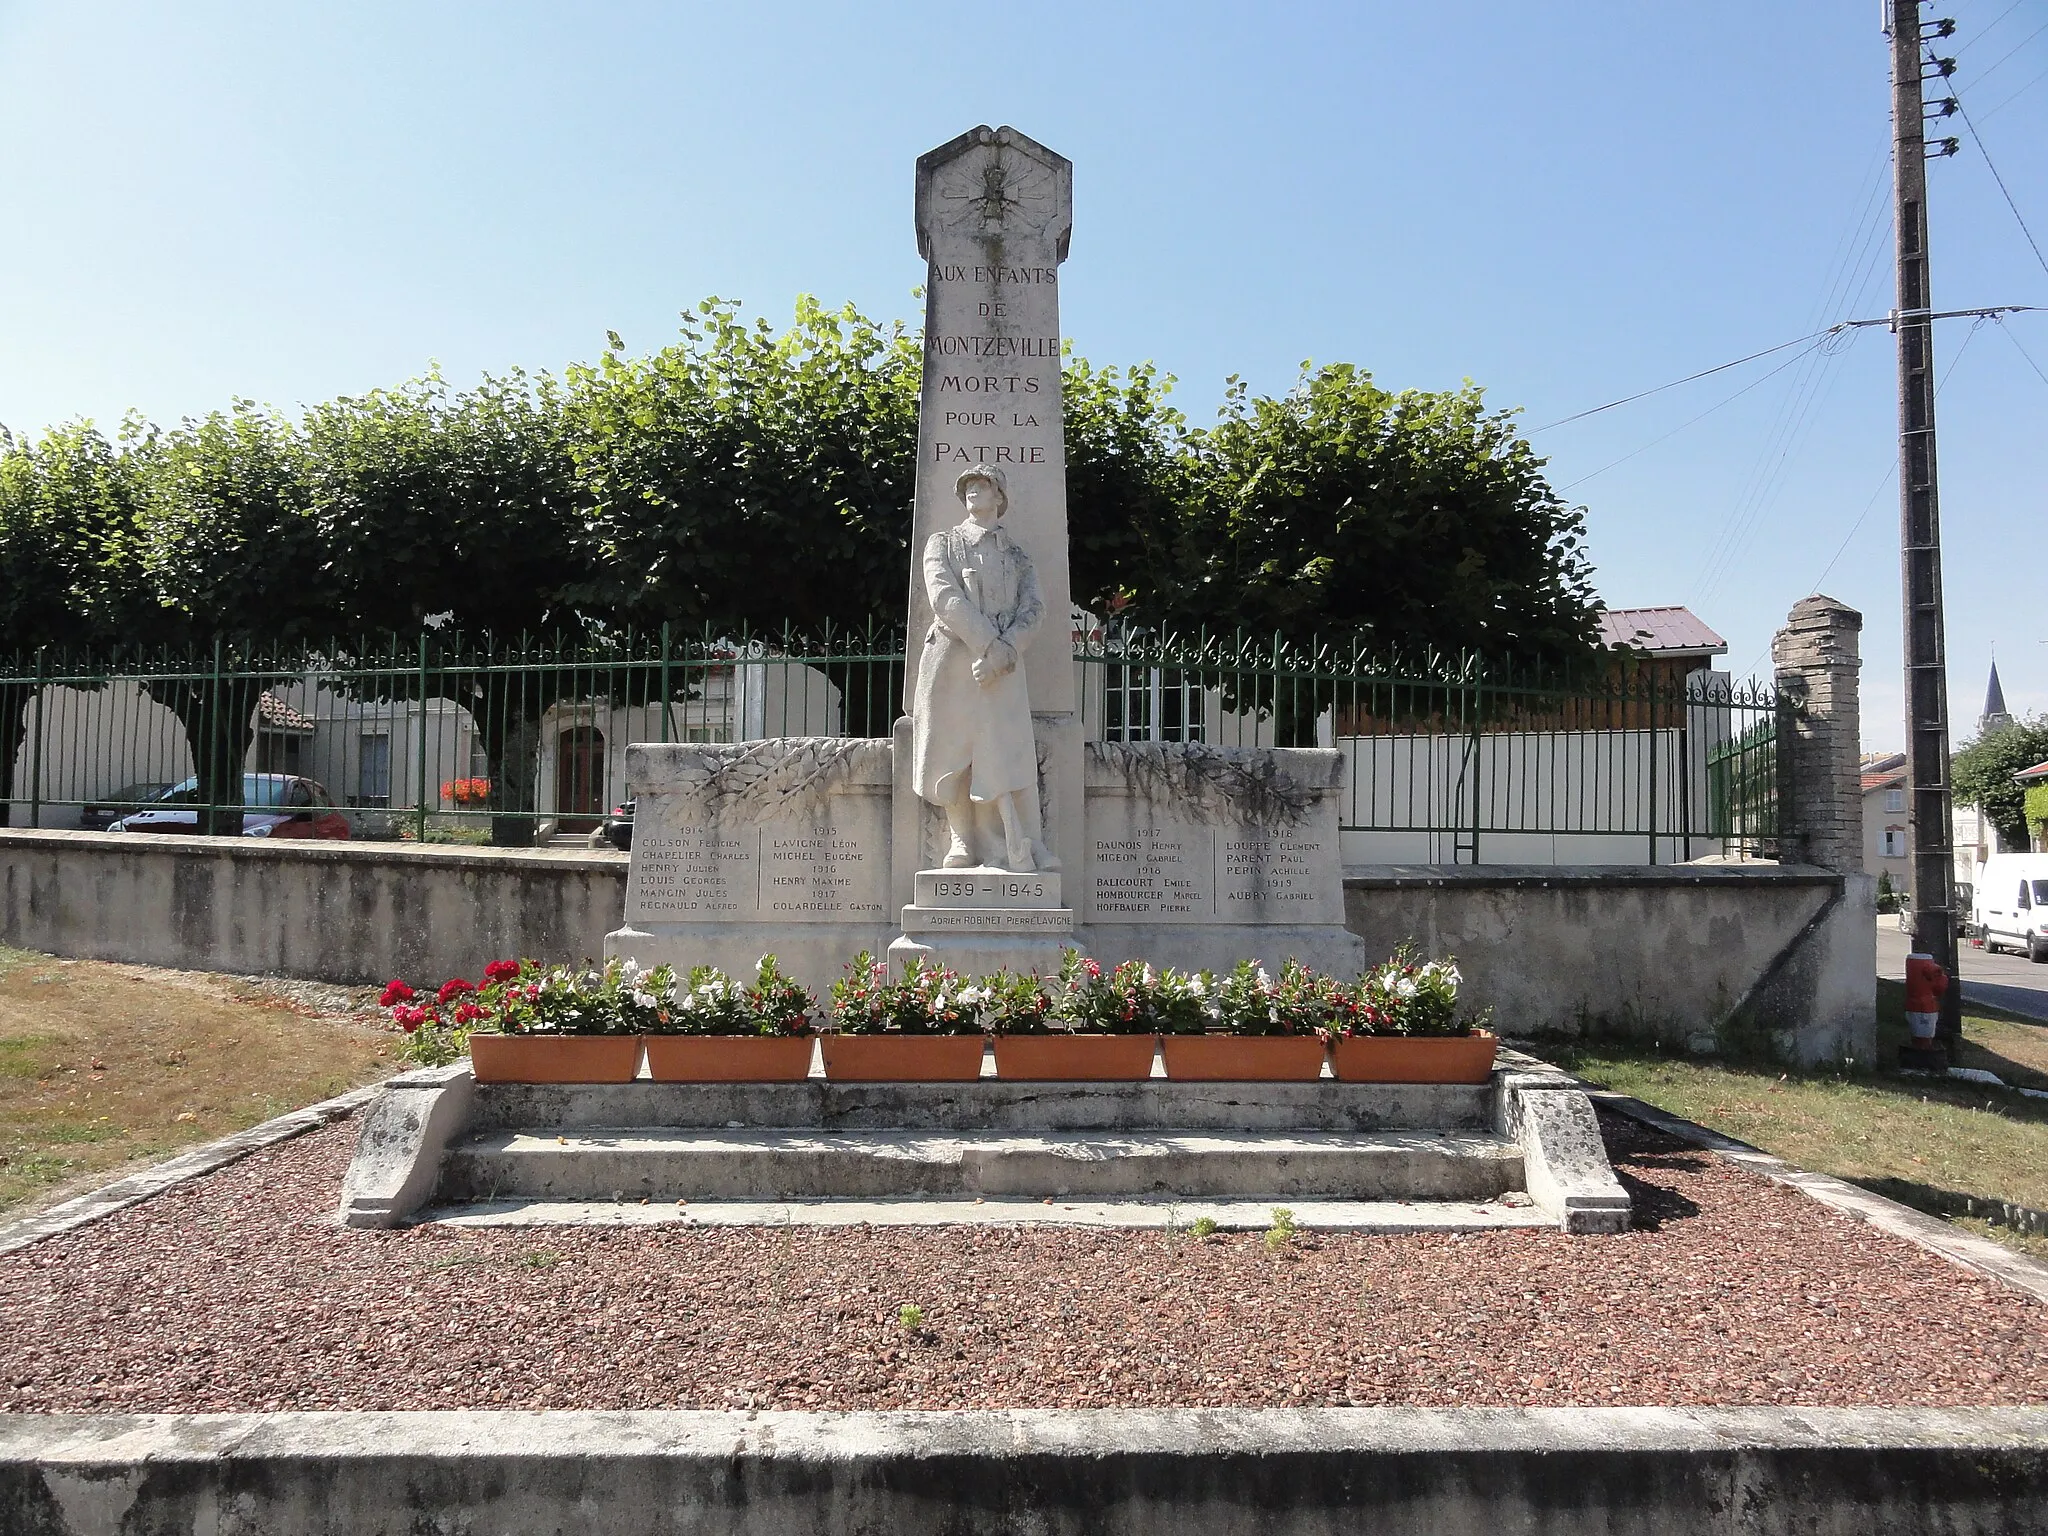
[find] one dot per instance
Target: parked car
(618, 827)
(2011, 905)
(103, 813)
(276, 805)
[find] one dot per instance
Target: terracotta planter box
(554, 1058)
(1243, 1058)
(728, 1058)
(902, 1058)
(1074, 1058)
(1414, 1059)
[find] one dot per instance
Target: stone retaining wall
(349, 912)
(1692, 956)
(1120, 1472)
(1689, 955)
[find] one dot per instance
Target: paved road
(2005, 980)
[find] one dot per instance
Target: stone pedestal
(764, 847)
(1199, 857)
(978, 921)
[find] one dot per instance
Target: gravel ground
(237, 1292)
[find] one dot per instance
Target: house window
(277, 751)
(1895, 800)
(1151, 704)
(1894, 842)
(373, 771)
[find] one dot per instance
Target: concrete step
(1392, 1217)
(663, 1163)
(991, 1104)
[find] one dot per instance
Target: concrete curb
(1112, 1472)
(1977, 1254)
(197, 1163)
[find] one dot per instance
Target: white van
(2010, 907)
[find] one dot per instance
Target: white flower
(1197, 985)
(969, 996)
(1264, 979)
(1405, 987)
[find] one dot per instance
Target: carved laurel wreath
(771, 780)
(1216, 785)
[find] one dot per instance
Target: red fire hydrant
(1925, 984)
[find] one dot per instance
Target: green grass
(1923, 1140)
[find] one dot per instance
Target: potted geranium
(1253, 1027)
(1089, 1026)
(924, 1028)
(713, 1030)
(1404, 1027)
(559, 1024)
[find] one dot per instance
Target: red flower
(452, 989)
(395, 992)
(468, 1013)
(501, 970)
(409, 1019)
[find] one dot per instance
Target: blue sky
(1563, 203)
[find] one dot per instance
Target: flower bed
(524, 1022)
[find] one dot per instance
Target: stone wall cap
(1821, 606)
(1583, 876)
(317, 850)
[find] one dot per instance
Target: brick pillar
(1820, 791)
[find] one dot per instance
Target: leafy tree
(1413, 520)
(1127, 482)
(1982, 771)
(743, 481)
(234, 576)
(462, 509)
(65, 503)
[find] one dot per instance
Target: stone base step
(1392, 1217)
(667, 1164)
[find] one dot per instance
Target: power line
(1689, 378)
(1703, 415)
(2023, 351)
(2016, 95)
(1991, 166)
(1987, 30)
(1856, 526)
(2015, 48)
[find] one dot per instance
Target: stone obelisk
(994, 210)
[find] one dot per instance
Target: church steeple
(1994, 717)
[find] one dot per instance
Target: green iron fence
(1458, 760)
(446, 738)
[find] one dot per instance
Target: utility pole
(1927, 763)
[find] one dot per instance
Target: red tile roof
(1660, 632)
(2038, 771)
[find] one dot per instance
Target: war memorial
(599, 1284)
